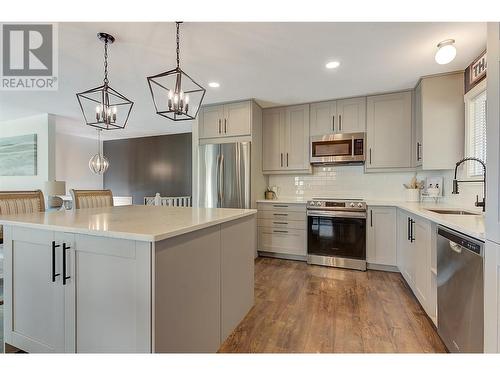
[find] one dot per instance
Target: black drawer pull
(280, 222)
(54, 274)
(280, 231)
(280, 214)
(280, 205)
(64, 263)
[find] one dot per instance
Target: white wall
(44, 127)
(72, 161)
(352, 182)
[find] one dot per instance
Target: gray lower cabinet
(282, 229)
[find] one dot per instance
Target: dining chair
(20, 202)
(91, 198)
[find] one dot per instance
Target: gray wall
(144, 166)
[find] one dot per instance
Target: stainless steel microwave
(338, 148)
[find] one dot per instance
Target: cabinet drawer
(293, 207)
(282, 223)
(284, 241)
(282, 215)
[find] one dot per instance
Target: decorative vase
(413, 195)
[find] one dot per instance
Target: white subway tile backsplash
(350, 181)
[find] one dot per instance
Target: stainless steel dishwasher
(460, 287)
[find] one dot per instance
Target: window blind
(478, 133)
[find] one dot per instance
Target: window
(475, 128)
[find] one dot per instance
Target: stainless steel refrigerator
(224, 175)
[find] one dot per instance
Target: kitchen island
(127, 279)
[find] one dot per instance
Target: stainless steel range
(336, 233)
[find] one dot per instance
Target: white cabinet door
(405, 253)
(389, 131)
(35, 306)
(297, 137)
(237, 119)
(323, 118)
(211, 124)
(351, 115)
(491, 297)
(273, 126)
(493, 134)
(113, 295)
(381, 236)
(421, 247)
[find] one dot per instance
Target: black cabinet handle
(287, 159)
(418, 151)
(225, 126)
(64, 263)
(281, 159)
(280, 231)
(333, 122)
(370, 155)
(371, 218)
(408, 230)
(340, 122)
(219, 127)
(54, 274)
(412, 239)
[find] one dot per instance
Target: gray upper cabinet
(210, 121)
(351, 115)
(417, 151)
(439, 121)
(389, 131)
(286, 140)
(338, 116)
(226, 120)
(296, 152)
(322, 118)
(273, 126)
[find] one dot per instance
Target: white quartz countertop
(140, 223)
(471, 225)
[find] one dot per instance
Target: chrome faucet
(455, 181)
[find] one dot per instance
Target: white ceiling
(276, 63)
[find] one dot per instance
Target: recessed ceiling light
(214, 85)
(332, 65)
(446, 52)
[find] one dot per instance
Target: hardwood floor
(301, 308)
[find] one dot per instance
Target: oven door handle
(342, 214)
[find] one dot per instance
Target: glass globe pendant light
(103, 107)
(175, 94)
(98, 163)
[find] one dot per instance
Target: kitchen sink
(454, 212)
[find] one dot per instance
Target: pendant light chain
(178, 42)
(106, 81)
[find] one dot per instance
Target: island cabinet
(76, 293)
(91, 293)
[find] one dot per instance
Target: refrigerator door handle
(221, 177)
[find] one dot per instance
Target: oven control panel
(345, 205)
